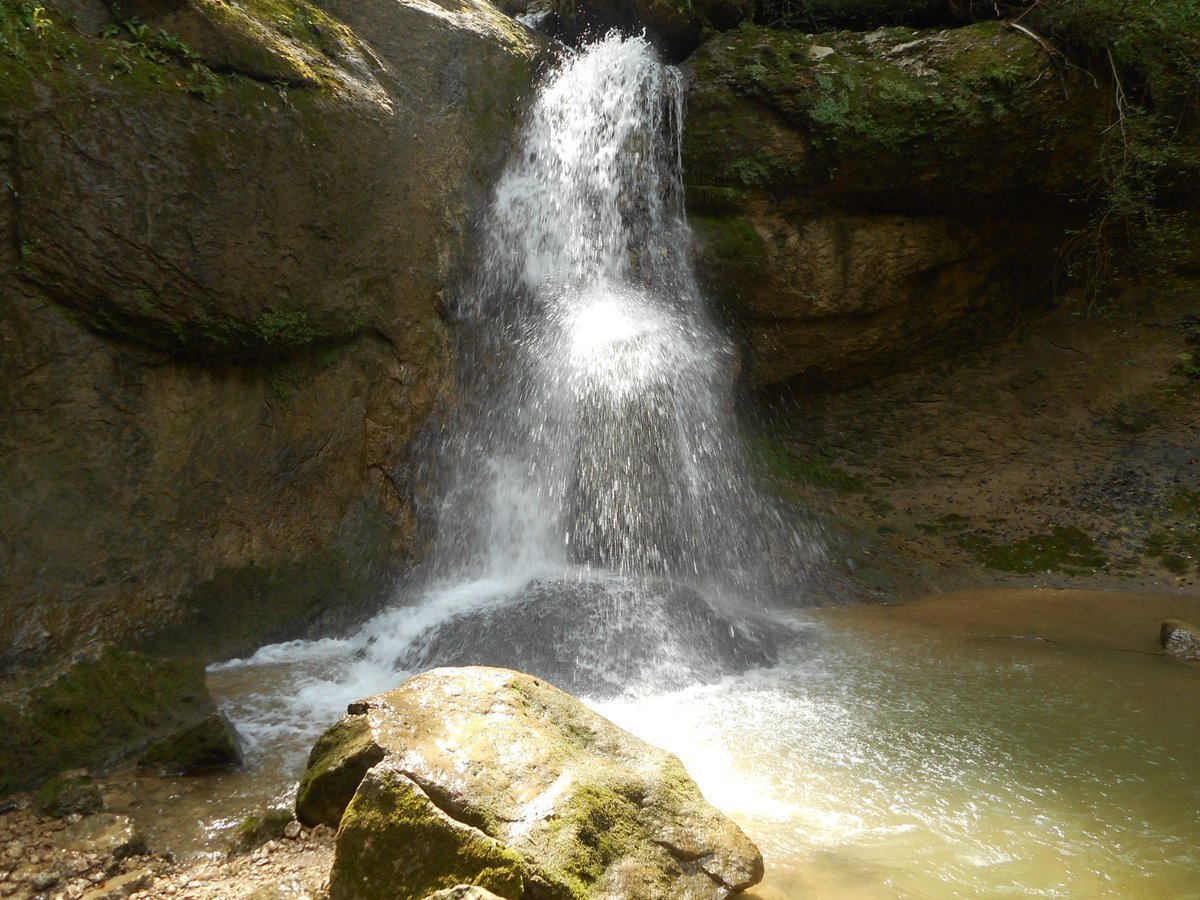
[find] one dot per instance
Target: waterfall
(597, 522)
(595, 463)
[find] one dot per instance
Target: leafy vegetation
(163, 47)
(1149, 52)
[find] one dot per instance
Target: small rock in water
(1180, 639)
(496, 778)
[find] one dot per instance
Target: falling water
(600, 432)
(595, 468)
(596, 520)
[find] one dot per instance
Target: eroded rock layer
(225, 229)
(862, 198)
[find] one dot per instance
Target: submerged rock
(496, 779)
(1180, 639)
(105, 834)
(601, 637)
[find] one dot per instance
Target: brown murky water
(992, 743)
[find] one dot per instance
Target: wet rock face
(220, 274)
(493, 778)
(849, 220)
(676, 28)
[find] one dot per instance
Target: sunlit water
(598, 524)
(884, 760)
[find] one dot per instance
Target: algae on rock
(102, 709)
(495, 778)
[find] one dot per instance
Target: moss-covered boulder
(74, 792)
(338, 761)
(269, 824)
(210, 745)
(102, 708)
(225, 232)
(863, 198)
(494, 778)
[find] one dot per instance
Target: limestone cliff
(863, 197)
(225, 228)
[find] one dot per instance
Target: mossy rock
(888, 112)
(209, 745)
(337, 763)
(396, 844)
(495, 778)
(258, 828)
(69, 793)
(102, 709)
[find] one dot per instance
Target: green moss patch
(1065, 548)
(1177, 548)
(338, 761)
(101, 711)
(819, 470)
(395, 844)
(258, 828)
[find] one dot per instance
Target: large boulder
(497, 779)
(101, 708)
(221, 274)
(863, 199)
